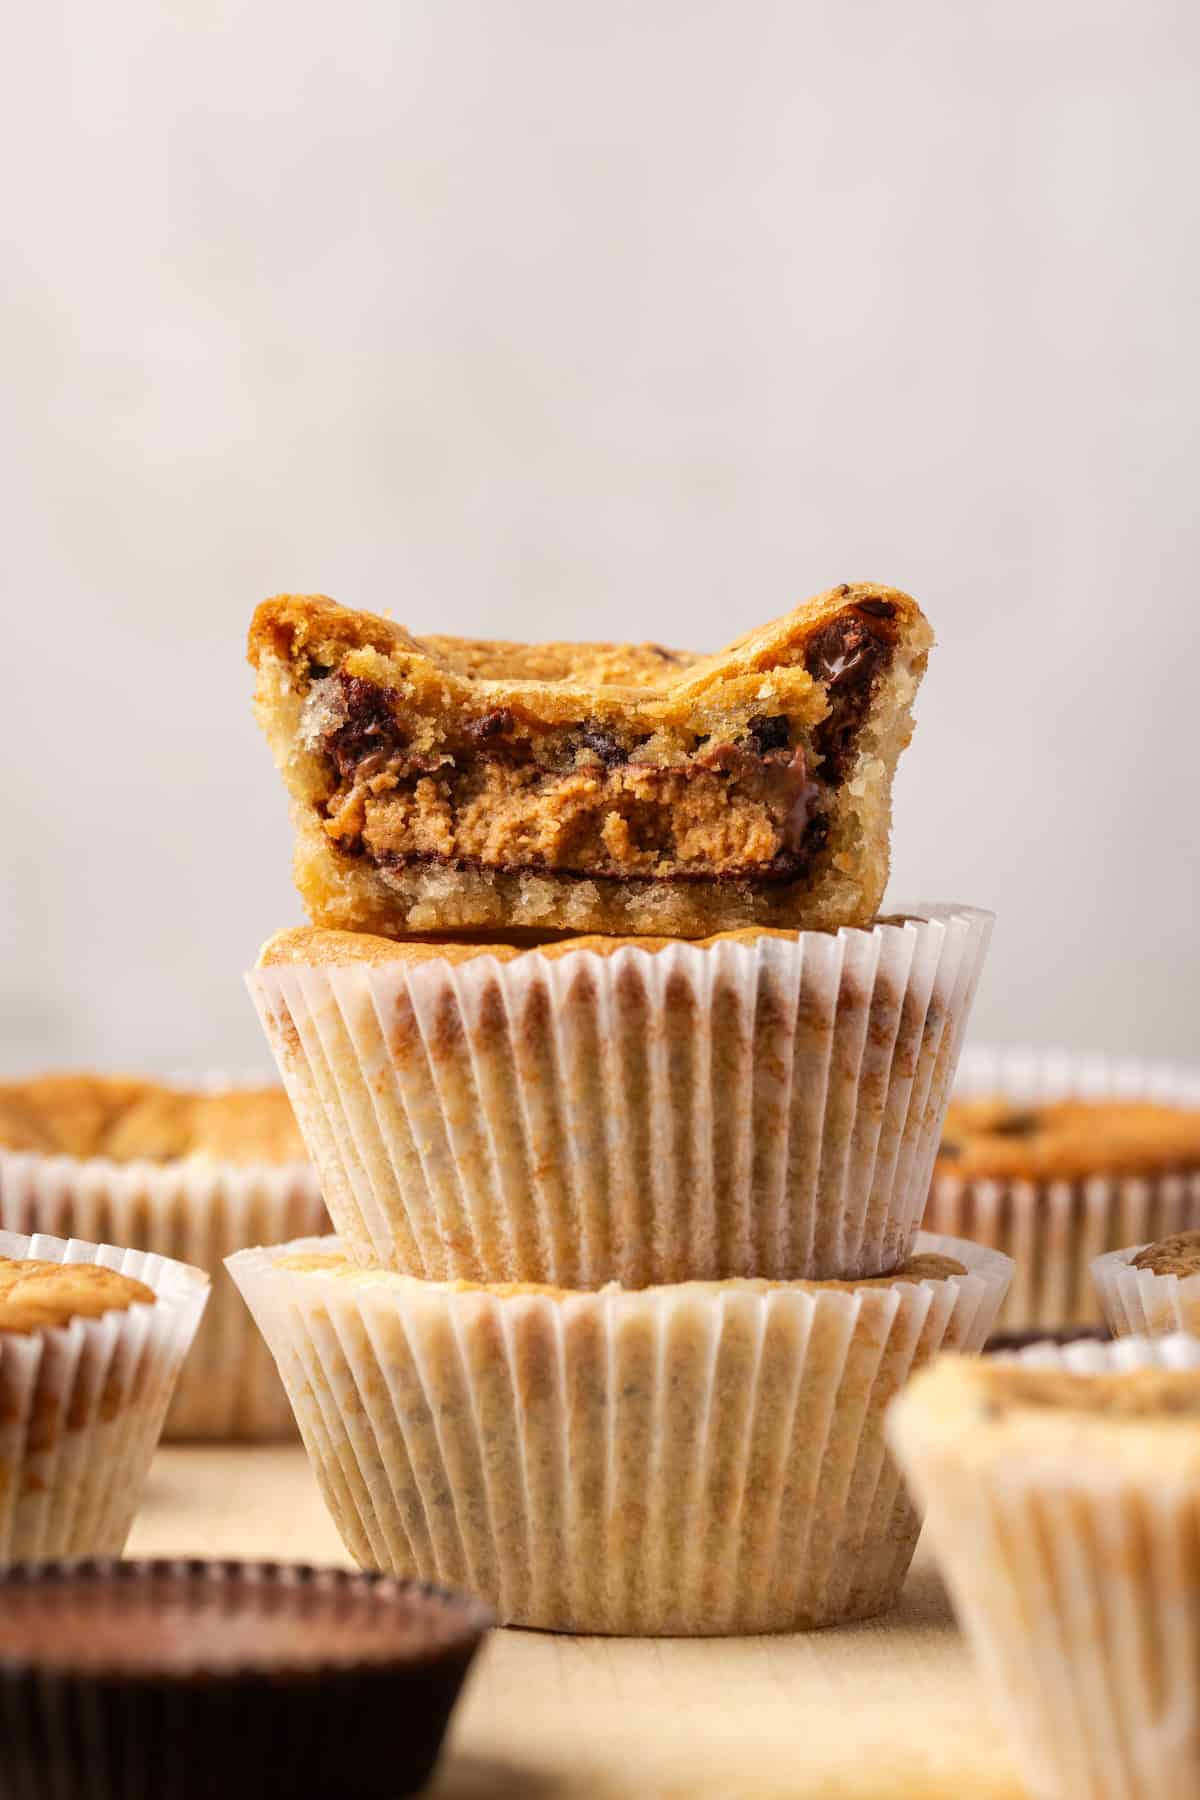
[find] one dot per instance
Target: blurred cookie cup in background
(1152, 1289)
(1062, 1500)
(704, 1458)
(92, 1339)
(190, 1173)
(1057, 1159)
(761, 1104)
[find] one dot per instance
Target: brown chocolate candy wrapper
(185, 1680)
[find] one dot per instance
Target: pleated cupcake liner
(91, 1726)
(1139, 1303)
(82, 1405)
(1090, 1357)
(1055, 1230)
(1078, 1587)
(698, 1459)
(192, 1211)
(696, 1113)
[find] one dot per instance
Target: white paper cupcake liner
(82, 1405)
(696, 1113)
(1088, 1357)
(194, 1211)
(1077, 1582)
(1139, 1303)
(1054, 1230)
(685, 1460)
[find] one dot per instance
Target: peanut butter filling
(752, 817)
(609, 797)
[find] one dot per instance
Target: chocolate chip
(841, 652)
(812, 841)
(949, 1149)
(846, 656)
(369, 726)
(724, 759)
(783, 869)
(492, 725)
(768, 733)
(1016, 1125)
(318, 671)
(878, 609)
(602, 744)
(795, 860)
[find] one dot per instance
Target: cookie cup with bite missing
(445, 784)
(92, 1340)
(1057, 1159)
(763, 1104)
(1062, 1497)
(696, 1459)
(189, 1173)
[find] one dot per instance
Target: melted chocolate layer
(848, 655)
(789, 866)
(370, 727)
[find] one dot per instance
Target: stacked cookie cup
(627, 1267)
(606, 1393)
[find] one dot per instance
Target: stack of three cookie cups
(628, 1267)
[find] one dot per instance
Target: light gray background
(575, 318)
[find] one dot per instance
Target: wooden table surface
(890, 1709)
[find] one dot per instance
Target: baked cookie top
(36, 1296)
(309, 946)
(659, 686)
(994, 1138)
(126, 1119)
(1007, 1388)
(440, 784)
(925, 1266)
(1139, 1422)
(1177, 1255)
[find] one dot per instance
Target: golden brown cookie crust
(309, 946)
(1006, 1388)
(551, 677)
(925, 1266)
(453, 785)
(126, 1118)
(1178, 1255)
(38, 1296)
(1026, 1424)
(994, 1138)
